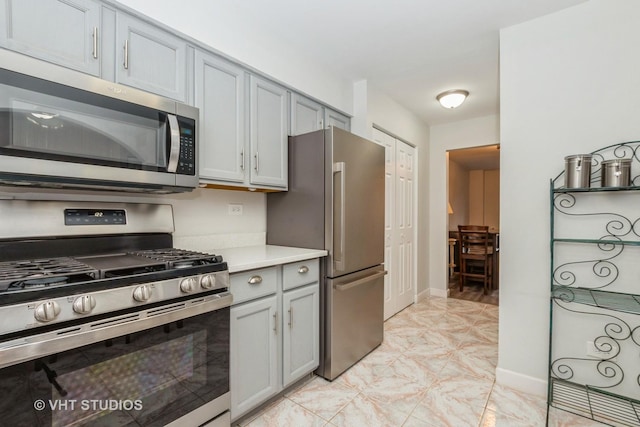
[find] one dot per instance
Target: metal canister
(616, 173)
(577, 171)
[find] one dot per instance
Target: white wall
(451, 136)
(570, 83)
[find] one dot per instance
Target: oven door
(147, 368)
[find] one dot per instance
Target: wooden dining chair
(475, 255)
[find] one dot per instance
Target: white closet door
(399, 284)
(405, 227)
(389, 144)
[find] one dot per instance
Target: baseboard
(440, 293)
(421, 296)
(521, 382)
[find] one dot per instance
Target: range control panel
(95, 217)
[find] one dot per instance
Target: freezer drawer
(353, 319)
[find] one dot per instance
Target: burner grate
(32, 269)
(179, 258)
(44, 272)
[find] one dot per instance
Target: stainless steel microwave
(63, 128)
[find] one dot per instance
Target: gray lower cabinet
(64, 32)
(308, 115)
(301, 340)
(274, 331)
(150, 58)
(254, 354)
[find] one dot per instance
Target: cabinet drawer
(300, 273)
(253, 284)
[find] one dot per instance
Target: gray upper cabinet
(333, 118)
(306, 115)
(268, 133)
(150, 59)
(243, 130)
(62, 32)
(220, 96)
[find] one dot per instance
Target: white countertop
(250, 257)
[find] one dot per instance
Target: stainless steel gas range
(103, 322)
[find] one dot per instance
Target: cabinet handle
(255, 280)
(291, 318)
(303, 270)
(256, 165)
(126, 54)
(275, 322)
(242, 159)
(95, 42)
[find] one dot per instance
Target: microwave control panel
(187, 159)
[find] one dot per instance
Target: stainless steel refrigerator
(336, 202)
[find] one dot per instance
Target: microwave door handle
(174, 143)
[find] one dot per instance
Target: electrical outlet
(235, 209)
(593, 351)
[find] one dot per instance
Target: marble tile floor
(435, 368)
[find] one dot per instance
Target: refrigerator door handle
(339, 261)
(360, 281)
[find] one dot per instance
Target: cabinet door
(63, 32)
(150, 58)
(333, 118)
(268, 133)
(253, 352)
(306, 115)
(220, 96)
(300, 325)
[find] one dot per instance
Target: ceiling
(487, 157)
(409, 49)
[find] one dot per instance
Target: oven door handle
(40, 345)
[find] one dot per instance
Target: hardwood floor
(472, 292)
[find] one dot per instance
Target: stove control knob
(142, 293)
(84, 304)
(47, 311)
(188, 285)
(208, 281)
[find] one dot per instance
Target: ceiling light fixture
(452, 98)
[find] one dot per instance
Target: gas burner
(42, 282)
(182, 264)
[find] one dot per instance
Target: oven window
(147, 378)
(48, 120)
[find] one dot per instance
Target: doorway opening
(474, 199)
